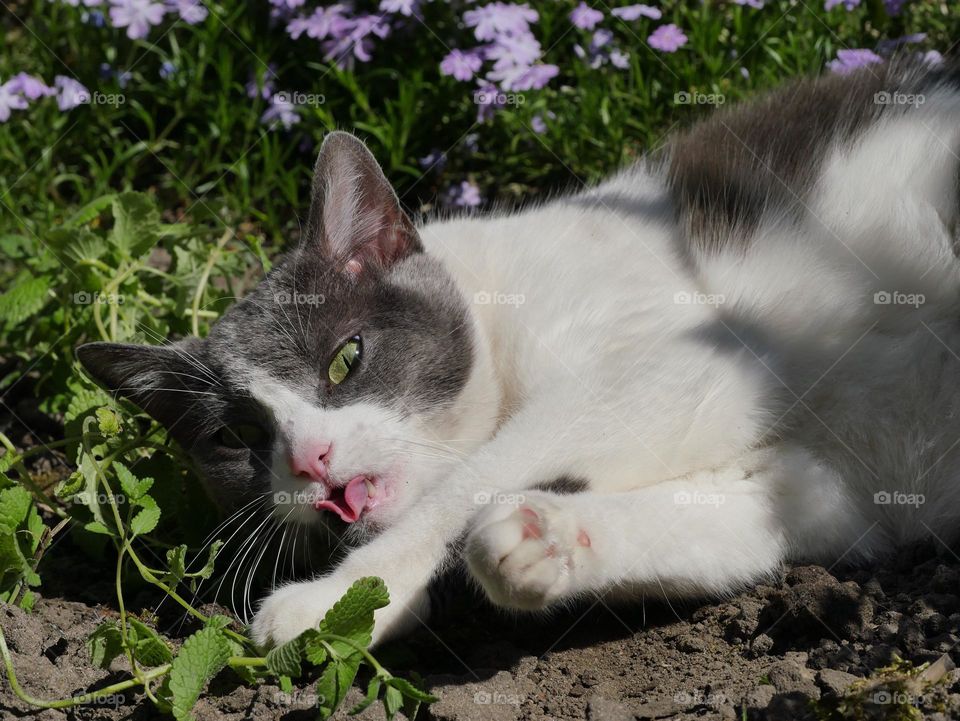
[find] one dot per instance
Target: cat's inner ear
(165, 381)
(355, 217)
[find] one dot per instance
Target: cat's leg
(710, 533)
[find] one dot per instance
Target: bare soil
(772, 652)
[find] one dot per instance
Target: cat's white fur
(729, 411)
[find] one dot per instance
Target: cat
(740, 351)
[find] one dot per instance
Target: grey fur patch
(763, 158)
(564, 485)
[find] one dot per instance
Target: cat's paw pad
(530, 555)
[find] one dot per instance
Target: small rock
(761, 646)
(691, 644)
(603, 709)
(789, 707)
(835, 682)
(759, 696)
(788, 676)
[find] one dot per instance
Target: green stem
(73, 700)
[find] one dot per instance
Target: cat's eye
(346, 359)
(242, 435)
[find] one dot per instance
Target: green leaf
(147, 517)
(392, 701)
(133, 488)
(69, 486)
(373, 690)
(84, 400)
(25, 299)
(352, 617)
(105, 644)
(176, 566)
(100, 528)
(136, 222)
(333, 684)
(148, 647)
(201, 658)
(284, 660)
(90, 211)
(108, 421)
(411, 691)
(207, 570)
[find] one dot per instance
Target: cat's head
(337, 384)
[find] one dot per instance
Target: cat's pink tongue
(350, 505)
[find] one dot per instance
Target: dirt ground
(769, 653)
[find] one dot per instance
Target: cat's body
(744, 353)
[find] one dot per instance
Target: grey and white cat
(739, 352)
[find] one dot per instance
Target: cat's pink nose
(309, 461)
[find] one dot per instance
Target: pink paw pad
(583, 539)
(531, 527)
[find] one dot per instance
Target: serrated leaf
(284, 660)
(201, 657)
(333, 684)
(135, 223)
(90, 211)
(176, 565)
(24, 300)
(147, 517)
(373, 690)
(392, 701)
(411, 691)
(133, 488)
(218, 621)
(84, 400)
(107, 421)
(207, 570)
(149, 648)
(69, 486)
(351, 617)
(105, 644)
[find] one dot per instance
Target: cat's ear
(164, 381)
(355, 218)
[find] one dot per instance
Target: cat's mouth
(351, 501)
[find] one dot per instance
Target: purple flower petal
(137, 16)
(849, 60)
(70, 93)
(634, 12)
(667, 38)
(585, 17)
(461, 65)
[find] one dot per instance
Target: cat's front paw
(529, 555)
(291, 610)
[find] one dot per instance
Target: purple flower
(167, 70)
(534, 78)
(286, 4)
(847, 4)
(357, 42)
(619, 59)
(849, 60)
(894, 7)
(498, 18)
(585, 17)
(266, 90)
(190, 11)
(95, 18)
(137, 16)
(281, 111)
(667, 38)
(931, 58)
(463, 195)
(324, 22)
(461, 65)
(403, 7)
(70, 93)
(758, 4)
(32, 88)
(538, 124)
(10, 99)
(436, 160)
(634, 12)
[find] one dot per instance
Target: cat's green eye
(242, 435)
(345, 360)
